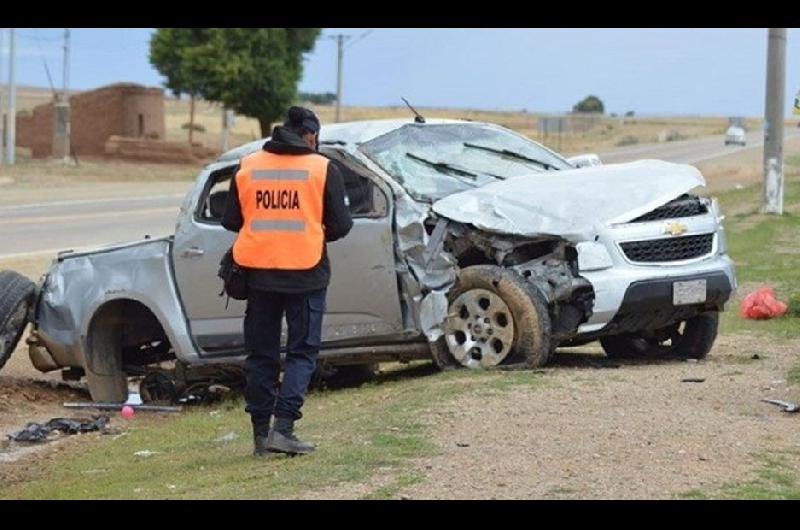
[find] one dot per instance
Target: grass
(765, 251)
(776, 479)
(360, 431)
(34, 172)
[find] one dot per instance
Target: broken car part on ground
(38, 432)
(472, 245)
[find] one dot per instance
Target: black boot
(281, 439)
(260, 437)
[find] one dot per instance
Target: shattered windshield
(434, 161)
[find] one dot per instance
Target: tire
(694, 341)
(16, 299)
(529, 318)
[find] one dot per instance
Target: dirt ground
(602, 429)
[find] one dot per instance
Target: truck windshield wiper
(443, 166)
(512, 154)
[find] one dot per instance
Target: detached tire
(495, 318)
(16, 298)
(691, 339)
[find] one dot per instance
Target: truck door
(363, 299)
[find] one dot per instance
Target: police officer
(285, 202)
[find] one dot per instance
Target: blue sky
(650, 71)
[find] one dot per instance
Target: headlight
(593, 256)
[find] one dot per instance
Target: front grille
(668, 249)
(684, 206)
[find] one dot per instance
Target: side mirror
(585, 160)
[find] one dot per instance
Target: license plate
(690, 292)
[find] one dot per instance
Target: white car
(735, 135)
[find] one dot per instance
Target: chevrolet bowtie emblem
(675, 229)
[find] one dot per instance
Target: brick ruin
(123, 120)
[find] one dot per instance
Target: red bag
(762, 304)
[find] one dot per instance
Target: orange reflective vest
(281, 197)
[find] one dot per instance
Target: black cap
(302, 118)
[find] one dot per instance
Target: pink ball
(127, 412)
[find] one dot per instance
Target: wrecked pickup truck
(472, 246)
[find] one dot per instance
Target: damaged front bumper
(616, 285)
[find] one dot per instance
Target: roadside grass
(777, 478)
(765, 251)
(36, 172)
(592, 133)
(360, 431)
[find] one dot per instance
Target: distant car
(735, 135)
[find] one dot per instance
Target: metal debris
(788, 406)
(118, 406)
(38, 432)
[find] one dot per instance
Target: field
(583, 427)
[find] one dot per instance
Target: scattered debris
(788, 406)
(144, 453)
(38, 432)
(693, 380)
(118, 406)
(231, 436)
(461, 444)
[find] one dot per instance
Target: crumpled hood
(571, 204)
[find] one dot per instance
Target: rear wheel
(690, 339)
(495, 317)
(16, 298)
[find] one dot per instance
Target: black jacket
(335, 217)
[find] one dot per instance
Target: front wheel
(495, 317)
(690, 339)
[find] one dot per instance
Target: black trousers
(264, 394)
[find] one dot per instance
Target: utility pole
(61, 127)
(773, 121)
(2, 90)
(11, 123)
(67, 142)
(340, 40)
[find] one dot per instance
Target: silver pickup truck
(472, 246)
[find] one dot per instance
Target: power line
(44, 61)
(340, 40)
(358, 38)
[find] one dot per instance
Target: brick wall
(122, 109)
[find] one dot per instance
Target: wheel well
(137, 334)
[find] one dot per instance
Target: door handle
(193, 252)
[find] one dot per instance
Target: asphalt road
(48, 227)
(44, 228)
(690, 151)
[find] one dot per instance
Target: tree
(168, 50)
(589, 104)
(252, 71)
